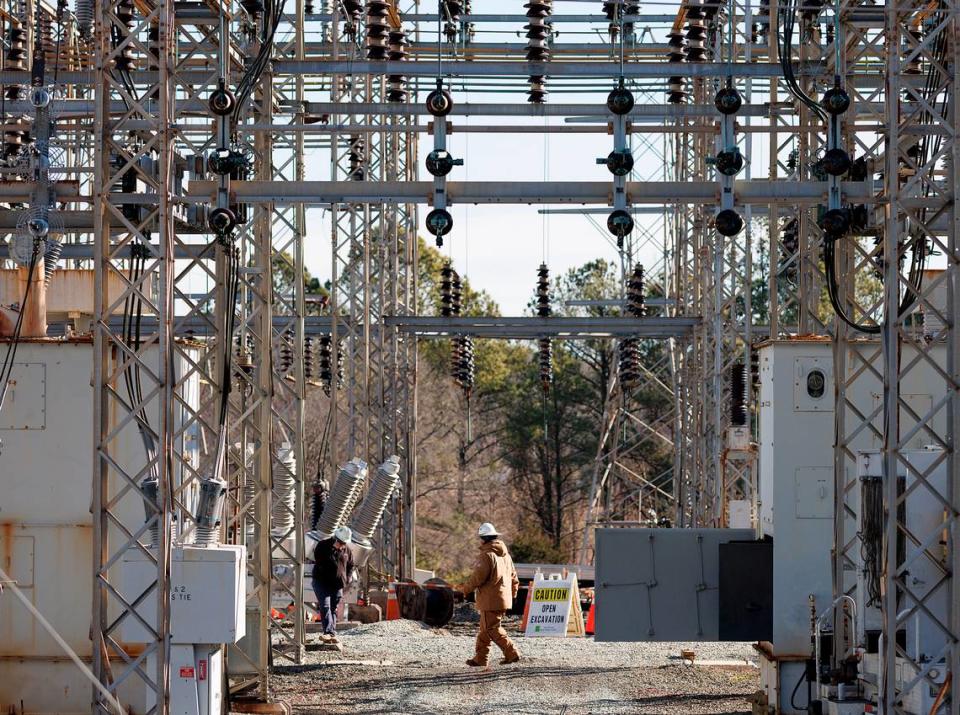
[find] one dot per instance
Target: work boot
(474, 663)
(514, 658)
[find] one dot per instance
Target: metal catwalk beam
(534, 192)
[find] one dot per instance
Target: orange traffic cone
(393, 607)
(526, 606)
(590, 616)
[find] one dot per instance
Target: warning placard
(554, 608)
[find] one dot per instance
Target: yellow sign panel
(554, 608)
(551, 594)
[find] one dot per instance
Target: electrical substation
(232, 295)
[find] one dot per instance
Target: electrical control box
(796, 481)
(207, 594)
(798, 474)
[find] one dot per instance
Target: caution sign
(553, 608)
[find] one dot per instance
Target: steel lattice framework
(129, 188)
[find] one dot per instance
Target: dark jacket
(494, 578)
(332, 566)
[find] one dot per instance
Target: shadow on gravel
(475, 676)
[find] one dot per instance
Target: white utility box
(207, 594)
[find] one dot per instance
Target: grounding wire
(6, 369)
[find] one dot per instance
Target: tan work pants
(491, 629)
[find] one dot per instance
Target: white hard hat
(487, 529)
(343, 533)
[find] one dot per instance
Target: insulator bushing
(610, 11)
(790, 237)
(222, 220)
(711, 8)
(343, 495)
(728, 101)
(222, 101)
(835, 101)
(835, 222)
(368, 515)
(439, 162)
(451, 10)
(84, 12)
(452, 309)
(16, 57)
(286, 351)
(352, 11)
(308, 358)
(620, 101)
(730, 162)
(243, 365)
(836, 162)
(696, 34)
(630, 9)
(51, 258)
(538, 48)
(728, 223)
(213, 495)
(620, 224)
(620, 162)
(635, 289)
(629, 362)
(543, 291)
(439, 102)
(545, 359)
(439, 223)
(325, 364)
(465, 371)
(318, 499)
(357, 157)
(456, 294)
(377, 28)
(13, 142)
(738, 394)
(284, 489)
(455, 360)
(676, 94)
(397, 83)
(446, 290)
(126, 15)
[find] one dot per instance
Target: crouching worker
(332, 571)
(495, 580)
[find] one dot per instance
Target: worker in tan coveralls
(495, 580)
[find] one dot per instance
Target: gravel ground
(411, 668)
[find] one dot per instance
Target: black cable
(829, 266)
(226, 376)
(61, 6)
(273, 12)
(794, 693)
(788, 14)
(871, 537)
(8, 361)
